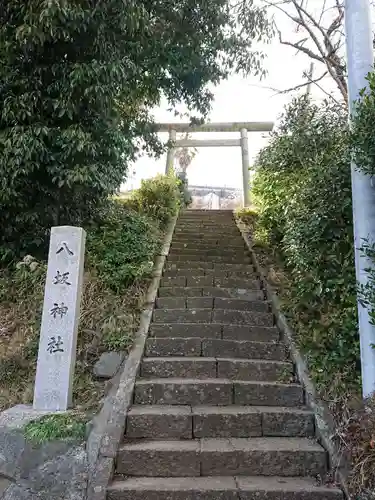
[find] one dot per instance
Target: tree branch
(305, 84)
(300, 48)
(307, 27)
(323, 11)
(296, 87)
(328, 55)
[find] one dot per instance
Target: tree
(320, 36)
(185, 155)
(78, 79)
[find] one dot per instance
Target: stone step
(251, 421)
(179, 330)
(201, 234)
(173, 347)
(207, 235)
(250, 274)
(233, 317)
(208, 226)
(205, 219)
(213, 223)
(182, 316)
(255, 370)
(208, 265)
(241, 305)
(222, 316)
(219, 218)
(215, 217)
(211, 303)
(207, 229)
(177, 257)
(175, 488)
(195, 346)
(203, 267)
(205, 212)
(208, 254)
(211, 214)
(264, 456)
(193, 279)
(210, 245)
(223, 368)
(207, 215)
(221, 488)
(179, 367)
(210, 240)
(211, 281)
(222, 218)
(183, 238)
(229, 217)
(216, 392)
(215, 331)
(234, 293)
(184, 422)
(246, 349)
(183, 392)
(161, 421)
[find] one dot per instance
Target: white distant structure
(211, 201)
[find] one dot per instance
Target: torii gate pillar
(245, 167)
(171, 153)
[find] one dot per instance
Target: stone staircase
(217, 413)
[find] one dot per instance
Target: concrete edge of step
(109, 424)
(324, 421)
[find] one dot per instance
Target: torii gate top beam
(216, 127)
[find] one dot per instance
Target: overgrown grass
(61, 426)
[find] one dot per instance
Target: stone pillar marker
(60, 318)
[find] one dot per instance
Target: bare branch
(277, 6)
(336, 23)
(301, 48)
(304, 84)
(297, 87)
(328, 94)
(313, 36)
(323, 11)
(327, 41)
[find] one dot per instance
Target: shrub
(158, 198)
(121, 246)
(303, 188)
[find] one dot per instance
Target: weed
(57, 427)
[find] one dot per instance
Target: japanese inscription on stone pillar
(61, 309)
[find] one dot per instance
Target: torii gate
(242, 127)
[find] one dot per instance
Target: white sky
(239, 99)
